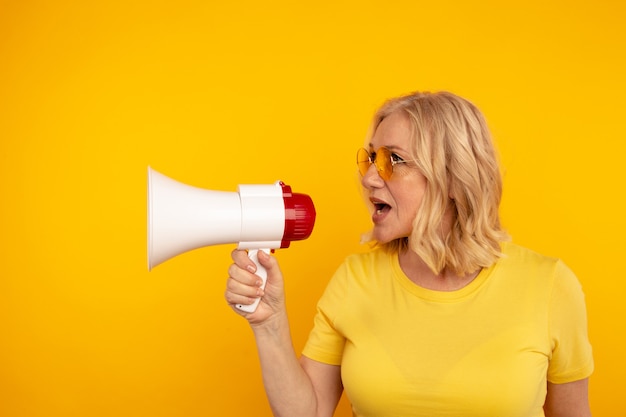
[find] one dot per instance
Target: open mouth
(381, 208)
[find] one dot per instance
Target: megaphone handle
(262, 273)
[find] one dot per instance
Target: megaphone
(257, 217)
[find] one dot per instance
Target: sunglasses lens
(363, 161)
(382, 160)
(383, 163)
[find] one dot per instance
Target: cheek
(407, 217)
(412, 200)
(409, 207)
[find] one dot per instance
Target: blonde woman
(444, 316)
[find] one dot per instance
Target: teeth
(379, 211)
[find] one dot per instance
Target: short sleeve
(572, 357)
(325, 343)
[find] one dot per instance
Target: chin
(384, 238)
(389, 234)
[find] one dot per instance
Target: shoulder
(370, 259)
(532, 267)
(368, 265)
(359, 269)
(519, 255)
(522, 260)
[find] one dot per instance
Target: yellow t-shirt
(484, 350)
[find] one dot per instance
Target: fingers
(238, 293)
(242, 260)
(242, 286)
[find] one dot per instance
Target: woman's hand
(243, 287)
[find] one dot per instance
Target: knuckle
(228, 298)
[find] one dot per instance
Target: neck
(419, 273)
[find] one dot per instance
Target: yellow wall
(215, 95)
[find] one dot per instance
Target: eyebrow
(392, 148)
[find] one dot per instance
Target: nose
(372, 179)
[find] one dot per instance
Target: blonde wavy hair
(453, 148)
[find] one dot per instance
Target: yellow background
(217, 94)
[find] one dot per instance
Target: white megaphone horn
(257, 217)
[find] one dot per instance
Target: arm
(295, 388)
(326, 380)
(303, 388)
(568, 400)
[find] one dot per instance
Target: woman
(444, 317)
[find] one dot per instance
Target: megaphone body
(257, 217)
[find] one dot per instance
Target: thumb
(267, 261)
(274, 288)
(272, 268)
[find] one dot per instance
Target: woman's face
(395, 201)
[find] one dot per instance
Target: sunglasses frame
(383, 160)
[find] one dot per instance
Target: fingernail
(251, 268)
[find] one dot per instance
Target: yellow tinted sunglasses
(384, 160)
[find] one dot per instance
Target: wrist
(273, 326)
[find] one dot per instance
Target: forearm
(289, 389)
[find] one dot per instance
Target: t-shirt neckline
(436, 295)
